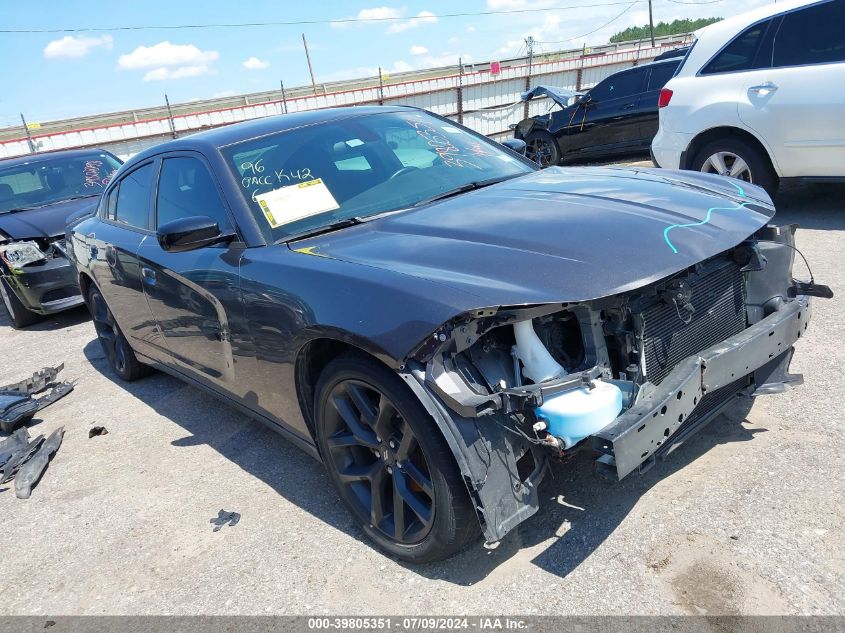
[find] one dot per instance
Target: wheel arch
(319, 351)
(85, 283)
(723, 131)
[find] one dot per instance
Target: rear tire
(18, 314)
(542, 148)
(736, 158)
(389, 462)
(119, 353)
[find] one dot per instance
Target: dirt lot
(747, 518)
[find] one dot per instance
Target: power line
(427, 16)
(578, 37)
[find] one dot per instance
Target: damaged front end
(628, 377)
(40, 274)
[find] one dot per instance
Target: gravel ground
(745, 519)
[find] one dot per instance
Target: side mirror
(186, 234)
(515, 144)
(585, 98)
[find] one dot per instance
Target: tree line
(661, 28)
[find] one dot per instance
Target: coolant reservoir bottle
(573, 415)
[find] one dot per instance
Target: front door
(798, 105)
(194, 295)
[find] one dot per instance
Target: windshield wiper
(49, 204)
(470, 186)
(326, 228)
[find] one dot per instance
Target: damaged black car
(40, 195)
(432, 316)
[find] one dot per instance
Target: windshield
(46, 180)
(299, 180)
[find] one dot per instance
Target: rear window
(813, 35)
(740, 54)
(660, 75)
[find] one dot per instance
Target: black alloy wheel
(389, 462)
(541, 147)
(120, 355)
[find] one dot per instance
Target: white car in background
(760, 97)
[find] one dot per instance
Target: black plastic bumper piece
(636, 435)
(18, 404)
(47, 287)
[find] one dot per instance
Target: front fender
(487, 455)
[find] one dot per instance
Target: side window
(132, 196)
(813, 35)
(110, 204)
(660, 75)
(185, 189)
(740, 53)
(617, 86)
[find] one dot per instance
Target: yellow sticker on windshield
(296, 202)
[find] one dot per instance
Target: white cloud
(166, 54)
(401, 66)
(416, 49)
(182, 72)
(70, 46)
(550, 31)
(376, 13)
(470, 29)
(423, 17)
(253, 63)
(223, 94)
(379, 13)
(515, 5)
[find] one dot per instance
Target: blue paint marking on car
(706, 217)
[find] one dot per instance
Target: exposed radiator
(718, 296)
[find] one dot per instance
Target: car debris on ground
(18, 403)
(96, 431)
(30, 472)
(224, 518)
(22, 459)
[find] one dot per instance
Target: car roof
(212, 140)
(734, 25)
(43, 156)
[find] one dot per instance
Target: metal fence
(485, 101)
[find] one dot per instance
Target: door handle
(764, 89)
(628, 106)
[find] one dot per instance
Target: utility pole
(529, 43)
(651, 23)
(308, 59)
(170, 116)
(28, 135)
(284, 96)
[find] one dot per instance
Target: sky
(50, 76)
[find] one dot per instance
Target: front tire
(389, 462)
(119, 353)
(18, 314)
(542, 148)
(738, 159)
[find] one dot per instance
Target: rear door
(609, 121)
(113, 247)
(796, 104)
(194, 295)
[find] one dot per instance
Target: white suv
(760, 97)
